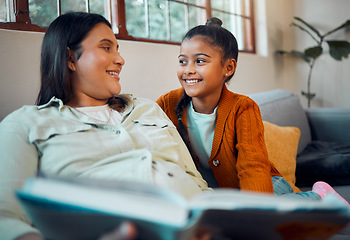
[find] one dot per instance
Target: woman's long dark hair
(226, 43)
(66, 31)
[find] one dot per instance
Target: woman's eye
(200, 60)
(107, 48)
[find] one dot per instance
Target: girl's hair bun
(213, 21)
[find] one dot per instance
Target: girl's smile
(191, 81)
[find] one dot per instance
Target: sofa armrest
(329, 124)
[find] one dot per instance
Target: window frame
(118, 20)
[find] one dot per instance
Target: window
(163, 21)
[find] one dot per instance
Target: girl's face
(201, 71)
(95, 75)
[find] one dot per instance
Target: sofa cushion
(283, 108)
(324, 161)
(282, 144)
(329, 124)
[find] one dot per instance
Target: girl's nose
(190, 69)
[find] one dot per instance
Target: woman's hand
(30, 236)
(126, 231)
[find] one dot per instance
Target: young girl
(223, 130)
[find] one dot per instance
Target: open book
(67, 208)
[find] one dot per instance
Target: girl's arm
(253, 166)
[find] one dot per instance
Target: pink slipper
(323, 189)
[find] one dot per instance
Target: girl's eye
(107, 48)
(200, 60)
(182, 61)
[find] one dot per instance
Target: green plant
(337, 49)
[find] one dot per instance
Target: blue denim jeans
(282, 188)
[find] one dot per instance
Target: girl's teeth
(192, 81)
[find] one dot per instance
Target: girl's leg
(323, 189)
(282, 188)
(319, 190)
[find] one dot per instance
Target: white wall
(263, 71)
(150, 69)
(19, 69)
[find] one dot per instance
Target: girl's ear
(70, 60)
(231, 65)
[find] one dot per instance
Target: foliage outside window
(164, 21)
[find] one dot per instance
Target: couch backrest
(283, 108)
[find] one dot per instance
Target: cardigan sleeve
(253, 166)
(161, 102)
(168, 103)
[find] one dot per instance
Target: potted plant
(337, 49)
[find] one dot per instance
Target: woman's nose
(118, 59)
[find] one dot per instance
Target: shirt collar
(128, 100)
(53, 102)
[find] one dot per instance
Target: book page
(233, 214)
(236, 199)
(135, 200)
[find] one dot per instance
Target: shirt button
(117, 132)
(170, 174)
(216, 162)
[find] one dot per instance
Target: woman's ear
(70, 60)
(231, 65)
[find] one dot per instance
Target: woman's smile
(113, 74)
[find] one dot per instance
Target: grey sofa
(324, 146)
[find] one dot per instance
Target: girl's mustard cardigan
(238, 157)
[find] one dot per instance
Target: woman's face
(95, 75)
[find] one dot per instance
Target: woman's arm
(18, 161)
(187, 163)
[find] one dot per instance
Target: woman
(82, 127)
